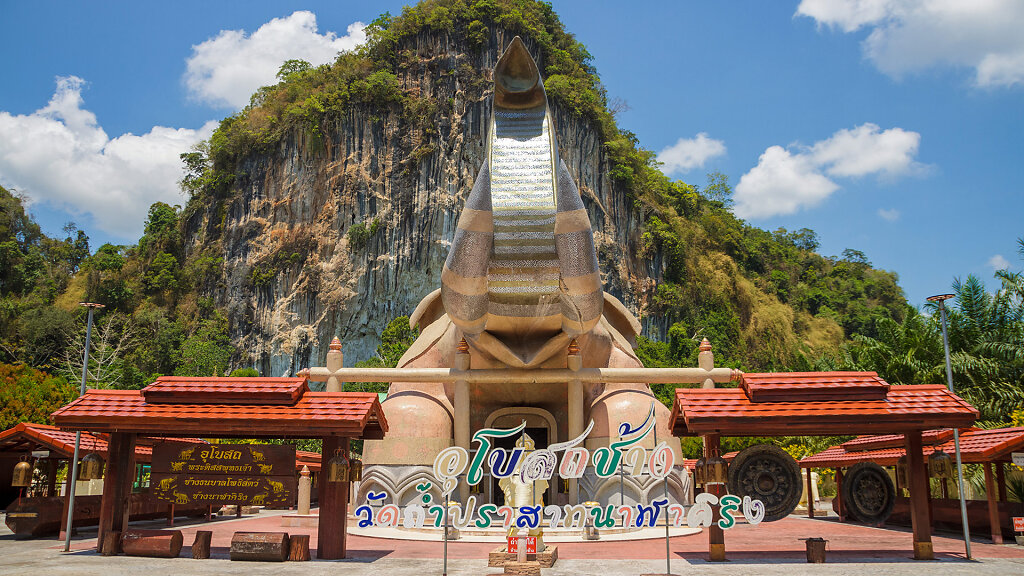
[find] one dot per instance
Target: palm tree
(986, 338)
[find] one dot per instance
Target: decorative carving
(868, 493)
(769, 474)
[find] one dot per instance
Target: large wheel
(868, 493)
(767, 473)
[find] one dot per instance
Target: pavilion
(226, 408)
(992, 449)
(824, 404)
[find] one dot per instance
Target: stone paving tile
(766, 549)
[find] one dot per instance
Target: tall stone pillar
(462, 409)
(574, 362)
(305, 489)
(334, 363)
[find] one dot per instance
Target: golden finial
(574, 348)
(463, 347)
(526, 443)
(335, 344)
(705, 346)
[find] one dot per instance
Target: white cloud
(998, 262)
(891, 214)
(226, 69)
(913, 35)
(781, 183)
(61, 156)
(867, 149)
(785, 181)
(690, 153)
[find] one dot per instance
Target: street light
(940, 299)
(78, 434)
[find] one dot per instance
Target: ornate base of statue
(500, 557)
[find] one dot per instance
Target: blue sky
(889, 126)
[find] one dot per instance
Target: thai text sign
(531, 544)
(247, 459)
(251, 474)
(1018, 524)
(626, 454)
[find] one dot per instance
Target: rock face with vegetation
(333, 199)
(338, 229)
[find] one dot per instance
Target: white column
(462, 409)
(334, 362)
(574, 362)
(305, 486)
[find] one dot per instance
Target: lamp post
(940, 299)
(73, 466)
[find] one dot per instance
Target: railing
(526, 376)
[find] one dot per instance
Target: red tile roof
(729, 412)
(976, 446)
(928, 437)
(305, 458)
(61, 443)
(232, 390)
(797, 386)
(315, 414)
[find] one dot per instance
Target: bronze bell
(717, 470)
(940, 465)
(22, 476)
(92, 467)
(698, 472)
(355, 470)
(338, 468)
(901, 472)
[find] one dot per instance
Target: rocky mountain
(352, 230)
(333, 198)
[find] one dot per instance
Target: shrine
(521, 344)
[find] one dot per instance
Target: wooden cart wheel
(868, 493)
(767, 473)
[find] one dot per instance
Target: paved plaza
(773, 548)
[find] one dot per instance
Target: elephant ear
(427, 311)
(621, 319)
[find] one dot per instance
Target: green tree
(30, 395)
(292, 67)
(162, 273)
(207, 352)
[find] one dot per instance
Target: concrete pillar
(462, 409)
(305, 487)
(706, 361)
(575, 408)
(917, 483)
(334, 362)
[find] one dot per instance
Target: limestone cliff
(338, 230)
